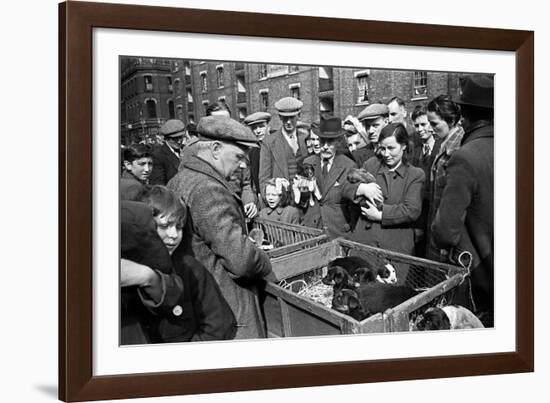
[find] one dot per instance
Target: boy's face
(170, 232)
(140, 168)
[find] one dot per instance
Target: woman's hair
(163, 201)
(217, 106)
(135, 152)
(448, 110)
(285, 193)
(400, 133)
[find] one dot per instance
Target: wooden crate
(290, 315)
(292, 237)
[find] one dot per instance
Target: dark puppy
(350, 263)
(448, 317)
(359, 175)
(347, 302)
(339, 278)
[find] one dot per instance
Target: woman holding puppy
(392, 226)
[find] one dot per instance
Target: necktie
(293, 143)
(325, 170)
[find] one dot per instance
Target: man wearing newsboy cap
(259, 124)
(217, 235)
(283, 151)
(374, 118)
(464, 221)
(166, 158)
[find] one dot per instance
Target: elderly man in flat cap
(464, 220)
(258, 122)
(335, 211)
(215, 233)
(166, 158)
(283, 151)
(374, 118)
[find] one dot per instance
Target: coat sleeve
(248, 194)
(457, 196)
(266, 167)
(217, 219)
(158, 174)
(409, 209)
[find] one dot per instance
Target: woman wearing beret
(444, 117)
(390, 226)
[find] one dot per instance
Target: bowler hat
(477, 90)
(226, 129)
(288, 106)
(330, 128)
(257, 117)
(373, 111)
(173, 128)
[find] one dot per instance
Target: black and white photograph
(278, 200)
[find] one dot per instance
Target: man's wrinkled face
(328, 148)
(231, 157)
(373, 127)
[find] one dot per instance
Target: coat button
(177, 310)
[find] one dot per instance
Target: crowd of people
(189, 270)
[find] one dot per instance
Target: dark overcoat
(273, 158)
(334, 212)
(165, 165)
(402, 205)
(465, 219)
(215, 234)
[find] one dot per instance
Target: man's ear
(215, 148)
(127, 165)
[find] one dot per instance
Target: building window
(264, 100)
(242, 114)
(187, 67)
(169, 82)
(178, 85)
(295, 90)
(179, 108)
(362, 77)
(420, 84)
(263, 71)
(171, 110)
(148, 83)
(189, 96)
(151, 108)
(205, 104)
(219, 76)
(192, 119)
(204, 82)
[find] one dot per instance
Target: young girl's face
(272, 197)
(170, 231)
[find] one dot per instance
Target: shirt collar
(400, 170)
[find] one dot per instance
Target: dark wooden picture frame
(76, 23)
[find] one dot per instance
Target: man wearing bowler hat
(166, 158)
(334, 211)
(374, 118)
(215, 233)
(283, 151)
(464, 220)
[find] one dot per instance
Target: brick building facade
(154, 90)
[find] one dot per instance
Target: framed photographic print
(127, 71)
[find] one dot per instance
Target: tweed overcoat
(215, 234)
(334, 212)
(273, 158)
(465, 218)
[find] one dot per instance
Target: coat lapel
(279, 154)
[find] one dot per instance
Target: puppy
(447, 318)
(339, 278)
(359, 175)
(347, 302)
(350, 263)
(304, 186)
(385, 274)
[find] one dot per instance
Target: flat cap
(373, 111)
(173, 128)
(257, 117)
(288, 106)
(226, 129)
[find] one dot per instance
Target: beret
(288, 106)
(330, 128)
(173, 128)
(257, 117)
(226, 129)
(373, 111)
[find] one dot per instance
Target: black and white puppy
(448, 318)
